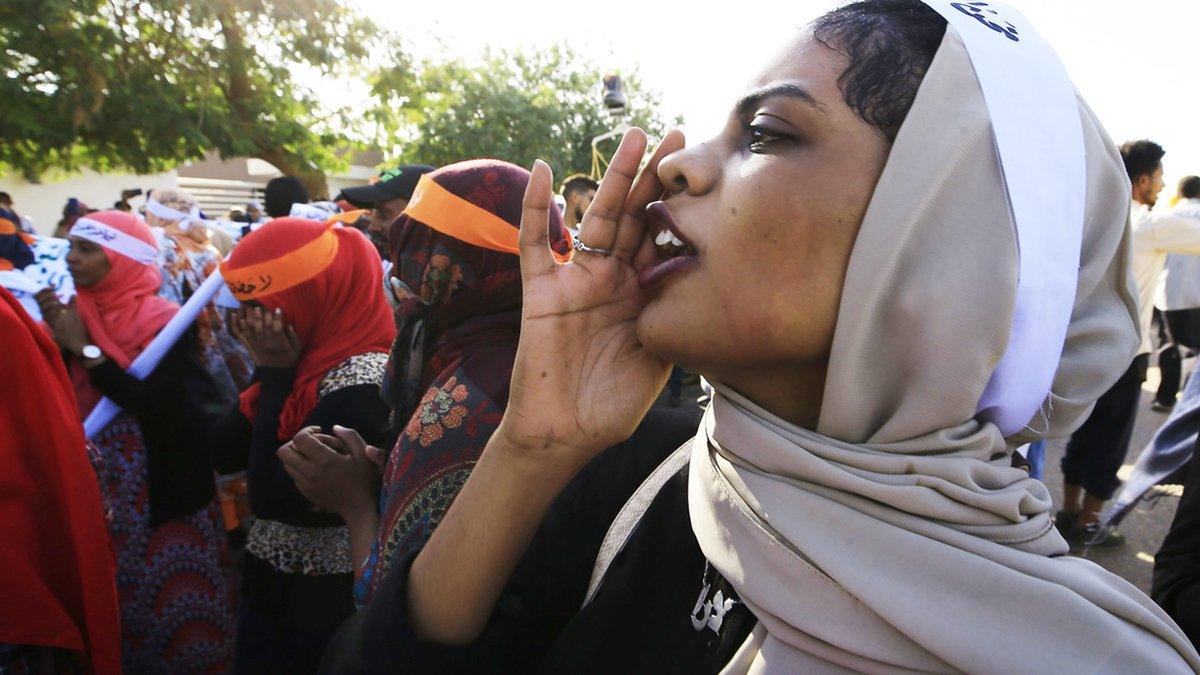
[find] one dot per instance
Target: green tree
(147, 84)
(516, 105)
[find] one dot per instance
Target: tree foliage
(516, 105)
(146, 84)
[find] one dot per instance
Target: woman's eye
(761, 138)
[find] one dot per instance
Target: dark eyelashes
(760, 139)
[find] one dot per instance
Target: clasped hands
(339, 473)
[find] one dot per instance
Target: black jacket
(174, 406)
(643, 619)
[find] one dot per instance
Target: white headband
(1039, 138)
(314, 211)
(167, 213)
(113, 239)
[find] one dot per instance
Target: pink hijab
(122, 311)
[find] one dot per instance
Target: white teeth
(668, 237)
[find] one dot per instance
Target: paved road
(1144, 528)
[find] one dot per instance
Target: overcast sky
(1136, 63)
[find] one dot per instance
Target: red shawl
(328, 281)
(58, 585)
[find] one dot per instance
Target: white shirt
(1176, 230)
(1181, 283)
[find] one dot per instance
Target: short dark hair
(5, 198)
(889, 44)
(1142, 158)
(281, 193)
(577, 183)
(1189, 187)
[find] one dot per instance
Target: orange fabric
(194, 240)
(122, 311)
(346, 217)
(57, 573)
(9, 227)
(446, 212)
(338, 311)
(5, 266)
(279, 274)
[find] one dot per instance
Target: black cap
(397, 183)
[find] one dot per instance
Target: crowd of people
(412, 430)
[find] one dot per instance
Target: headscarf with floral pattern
(458, 315)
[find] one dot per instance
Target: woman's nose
(692, 170)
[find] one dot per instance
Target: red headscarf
(58, 586)
(329, 283)
(122, 311)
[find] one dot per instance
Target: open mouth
(669, 245)
(675, 253)
(668, 239)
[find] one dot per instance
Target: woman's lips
(658, 270)
(658, 219)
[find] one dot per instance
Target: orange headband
(291, 269)
(346, 218)
(446, 212)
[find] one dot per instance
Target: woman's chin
(664, 329)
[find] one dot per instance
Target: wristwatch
(91, 352)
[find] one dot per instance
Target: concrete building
(216, 183)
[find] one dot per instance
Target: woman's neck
(793, 394)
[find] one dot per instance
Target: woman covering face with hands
(151, 460)
(842, 262)
(316, 322)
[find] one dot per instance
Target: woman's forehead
(806, 62)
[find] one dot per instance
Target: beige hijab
(897, 538)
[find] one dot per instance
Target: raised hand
(65, 323)
(582, 381)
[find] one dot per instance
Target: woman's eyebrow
(787, 89)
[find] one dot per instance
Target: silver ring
(580, 246)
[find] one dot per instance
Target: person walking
(1098, 448)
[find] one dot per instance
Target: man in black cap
(387, 199)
